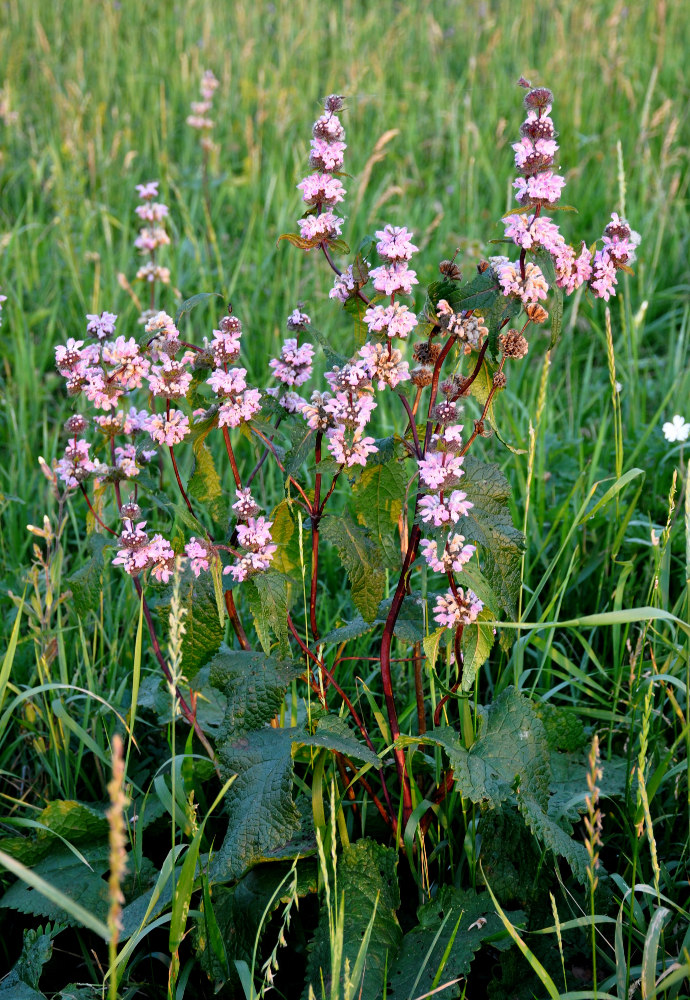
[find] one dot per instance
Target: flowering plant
(419, 522)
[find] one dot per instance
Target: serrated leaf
(367, 877)
(21, 983)
(87, 583)
(205, 484)
(378, 499)
(554, 837)
(268, 601)
(338, 246)
(409, 625)
(477, 641)
(333, 358)
(69, 876)
(333, 733)
(193, 302)
(362, 560)
(254, 686)
(463, 920)
(479, 293)
(302, 438)
(299, 241)
(285, 535)
(204, 632)
(431, 645)
(510, 762)
(262, 814)
(490, 524)
(556, 313)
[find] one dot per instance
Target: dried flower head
(513, 344)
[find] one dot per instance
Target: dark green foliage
(362, 559)
(366, 878)
(86, 583)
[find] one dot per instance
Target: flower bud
(334, 103)
(76, 424)
(230, 324)
(537, 313)
(538, 99)
(130, 511)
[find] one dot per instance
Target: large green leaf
(74, 821)
(490, 524)
(409, 625)
(333, 733)
(361, 558)
(205, 485)
(477, 640)
(510, 762)
(285, 535)
(378, 499)
(457, 921)
(254, 686)
(262, 814)
(268, 601)
(367, 877)
(70, 876)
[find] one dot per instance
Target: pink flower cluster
(200, 109)
(321, 190)
(237, 401)
(254, 537)
(539, 188)
(620, 244)
(461, 610)
(138, 552)
(151, 237)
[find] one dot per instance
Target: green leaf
(378, 499)
(205, 484)
(333, 733)
(74, 821)
(366, 873)
(268, 601)
(510, 762)
(87, 583)
(204, 632)
(21, 983)
(262, 815)
(302, 437)
(452, 928)
(67, 879)
(362, 560)
(477, 640)
(490, 524)
(254, 686)
(432, 643)
(333, 358)
(193, 302)
(285, 535)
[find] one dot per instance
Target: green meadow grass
(102, 90)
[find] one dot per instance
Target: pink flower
(246, 506)
(324, 226)
(544, 186)
(161, 558)
(103, 393)
(148, 191)
(395, 243)
(604, 280)
(395, 278)
(343, 285)
(350, 452)
(450, 612)
(199, 554)
(171, 378)
(241, 407)
(101, 326)
(533, 288)
(321, 189)
(170, 429)
(350, 410)
(395, 320)
(153, 211)
(74, 468)
(355, 374)
(453, 556)
(326, 155)
(440, 468)
(295, 364)
(387, 369)
(130, 366)
(225, 346)
(441, 511)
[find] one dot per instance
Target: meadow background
(94, 101)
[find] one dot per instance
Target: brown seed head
(499, 380)
(131, 511)
(449, 269)
(334, 103)
(513, 344)
(425, 352)
(538, 99)
(422, 375)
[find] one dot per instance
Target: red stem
(231, 456)
(315, 518)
